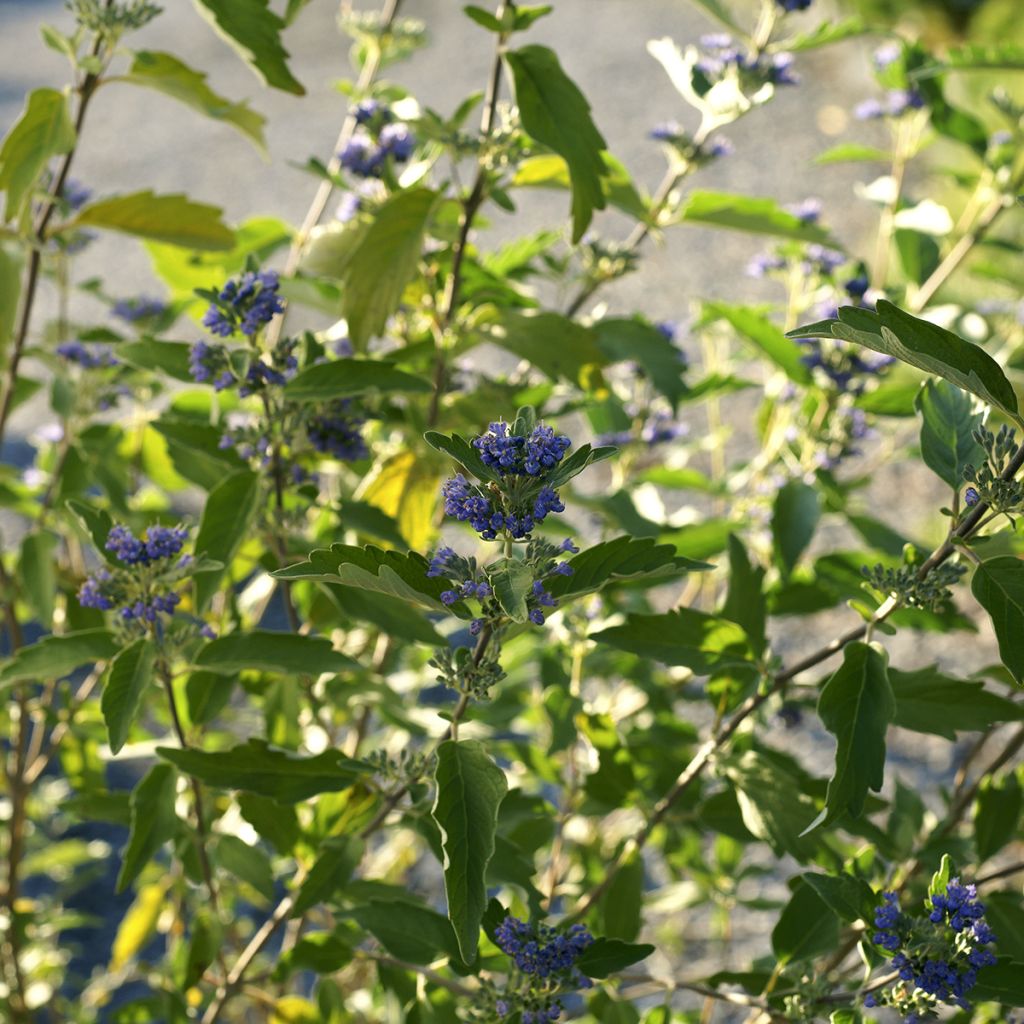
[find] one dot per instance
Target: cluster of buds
(987, 481)
(910, 590)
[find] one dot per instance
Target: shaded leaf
(608, 956)
(341, 378)
(512, 582)
(806, 928)
(948, 422)
(153, 821)
(794, 520)
(852, 899)
(337, 858)
(223, 526)
(56, 656)
(128, 678)
(997, 813)
(998, 585)
(286, 653)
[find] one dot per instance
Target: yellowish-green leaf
(138, 925)
(406, 488)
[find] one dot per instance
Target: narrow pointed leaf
(153, 821)
(128, 678)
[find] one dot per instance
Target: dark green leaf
(254, 31)
(607, 956)
(470, 788)
(512, 582)
(11, 261)
(407, 930)
(748, 213)
(170, 357)
(276, 823)
(580, 459)
(287, 653)
(153, 821)
(623, 901)
(660, 360)
(343, 377)
(765, 336)
(207, 694)
(852, 899)
(997, 814)
(165, 73)
(998, 585)
(56, 656)
(919, 254)
(336, 859)
(745, 601)
(224, 525)
(128, 678)
(37, 570)
(383, 262)
(556, 113)
(173, 219)
(463, 453)
(927, 346)
(794, 520)
(256, 767)
(483, 18)
(557, 346)
(43, 131)
(246, 864)
(1001, 983)
(856, 706)
(807, 927)
(686, 637)
(930, 702)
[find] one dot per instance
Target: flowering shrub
(481, 651)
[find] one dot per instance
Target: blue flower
(971, 497)
(794, 5)
(337, 432)
(245, 304)
(75, 194)
(88, 357)
(397, 141)
(362, 156)
(138, 308)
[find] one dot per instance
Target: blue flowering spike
(245, 304)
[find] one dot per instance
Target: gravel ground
(136, 138)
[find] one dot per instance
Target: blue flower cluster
(336, 432)
(377, 137)
(547, 958)
(513, 455)
(674, 134)
(895, 103)
(141, 307)
(467, 503)
(210, 363)
(723, 55)
(140, 596)
(794, 5)
(245, 304)
(75, 194)
(937, 956)
(656, 428)
(88, 357)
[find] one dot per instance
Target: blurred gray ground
(138, 139)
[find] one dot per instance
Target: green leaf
(719, 12)
(557, 346)
(128, 678)
(928, 701)
(173, 219)
(256, 767)
(548, 170)
(764, 336)
(407, 930)
(748, 213)
(1001, 983)
(940, 879)
(43, 131)
(56, 656)
(337, 858)
(856, 706)
(153, 821)
(997, 813)
(580, 459)
(806, 928)
(928, 347)
(852, 899)
(998, 586)
(607, 956)
(827, 33)
(622, 560)
(383, 262)
(852, 152)
(660, 360)
(512, 581)
(170, 357)
(343, 377)
(37, 570)
(97, 524)
(246, 864)
(556, 114)
(794, 520)
(223, 526)
(207, 694)
(463, 453)
(745, 601)
(483, 18)
(470, 788)
(623, 900)
(254, 32)
(11, 261)
(165, 73)
(286, 653)
(702, 643)
(527, 14)
(948, 422)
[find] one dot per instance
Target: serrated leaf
(383, 262)
(856, 705)
(998, 586)
(764, 336)
(165, 73)
(128, 678)
(700, 642)
(470, 788)
(463, 453)
(254, 31)
(223, 526)
(43, 131)
(556, 114)
(172, 219)
(607, 956)
(341, 378)
(512, 581)
(749, 213)
(256, 767)
(807, 927)
(286, 653)
(623, 559)
(56, 656)
(930, 702)
(153, 821)
(948, 422)
(928, 347)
